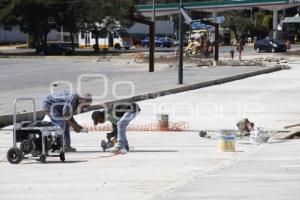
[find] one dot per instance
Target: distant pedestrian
(288, 44)
(249, 40)
(240, 48)
(232, 54)
(207, 48)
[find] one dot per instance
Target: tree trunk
(235, 33)
(45, 40)
(36, 41)
(41, 41)
(72, 41)
(96, 46)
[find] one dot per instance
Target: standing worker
(206, 48)
(240, 48)
(61, 106)
(120, 114)
(231, 53)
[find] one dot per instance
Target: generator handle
(15, 115)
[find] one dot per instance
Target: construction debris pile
(202, 62)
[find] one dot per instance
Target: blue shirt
(61, 103)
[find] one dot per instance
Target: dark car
(159, 42)
(165, 42)
(54, 49)
(145, 42)
(269, 45)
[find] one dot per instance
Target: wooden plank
(291, 126)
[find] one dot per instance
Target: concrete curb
(6, 120)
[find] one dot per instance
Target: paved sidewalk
(271, 173)
(159, 161)
(166, 166)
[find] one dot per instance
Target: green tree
(35, 17)
(238, 22)
(98, 15)
(267, 22)
(67, 13)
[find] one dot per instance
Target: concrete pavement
(271, 173)
(176, 165)
(159, 161)
(162, 166)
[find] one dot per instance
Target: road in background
(33, 77)
(223, 51)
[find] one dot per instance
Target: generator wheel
(103, 145)
(14, 155)
(62, 157)
(43, 159)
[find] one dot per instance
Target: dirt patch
(297, 52)
(201, 62)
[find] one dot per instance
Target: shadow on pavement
(83, 152)
(137, 151)
(153, 151)
(56, 162)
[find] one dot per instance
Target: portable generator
(36, 138)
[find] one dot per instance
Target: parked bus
(115, 37)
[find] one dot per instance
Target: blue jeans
(56, 118)
(65, 126)
(122, 125)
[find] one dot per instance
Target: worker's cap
(99, 113)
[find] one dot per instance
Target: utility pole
(153, 6)
(181, 35)
(152, 40)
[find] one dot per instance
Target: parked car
(270, 45)
(185, 42)
(54, 49)
(145, 42)
(165, 42)
(159, 42)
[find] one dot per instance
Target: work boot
(109, 144)
(126, 146)
(117, 149)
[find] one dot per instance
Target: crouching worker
(245, 126)
(120, 114)
(61, 106)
